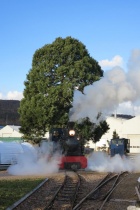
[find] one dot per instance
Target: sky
(109, 30)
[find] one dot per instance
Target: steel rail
(111, 191)
(100, 184)
(67, 187)
(17, 203)
(49, 206)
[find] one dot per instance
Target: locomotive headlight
(71, 132)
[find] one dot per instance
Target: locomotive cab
(119, 146)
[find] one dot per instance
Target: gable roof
(15, 127)
(10, 131)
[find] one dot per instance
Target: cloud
(116, 61)
(128, 108)
(12, 95)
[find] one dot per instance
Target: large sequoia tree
(57, 69)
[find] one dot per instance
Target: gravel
(123, 196)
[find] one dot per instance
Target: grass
(12, 190)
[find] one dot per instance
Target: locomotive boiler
(66, 141)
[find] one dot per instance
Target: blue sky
(109, 29)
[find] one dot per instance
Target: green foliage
(57, 69)
(90, 131)
(100, 129)
(115, 135)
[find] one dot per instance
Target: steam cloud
(35, 161)
(102, 162)
(116, 87)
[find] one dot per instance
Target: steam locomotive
(119, 146)
(66, 141)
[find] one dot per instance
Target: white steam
(102, 162)
(105, 95)
(35, 161)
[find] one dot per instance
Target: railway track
(65, 196)
(72, 191)
(59, 196)
(98, 196)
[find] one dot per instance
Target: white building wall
(47, 135)
(125, 128)
(10, 131)
(134, 142)
(115, 124)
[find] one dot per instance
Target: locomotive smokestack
(70, 125)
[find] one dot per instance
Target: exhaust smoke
(105, 95)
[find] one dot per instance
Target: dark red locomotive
(66, 141)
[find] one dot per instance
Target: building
(10, 133)
(131, 130)
(125, 128)
(9, 152)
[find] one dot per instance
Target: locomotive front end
(71, 149)
(73, 158)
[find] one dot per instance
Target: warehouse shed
(131, 130)
(10, 131)
(115, 124)
(126, 128)
(10, 151)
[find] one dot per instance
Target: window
(120, 142)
